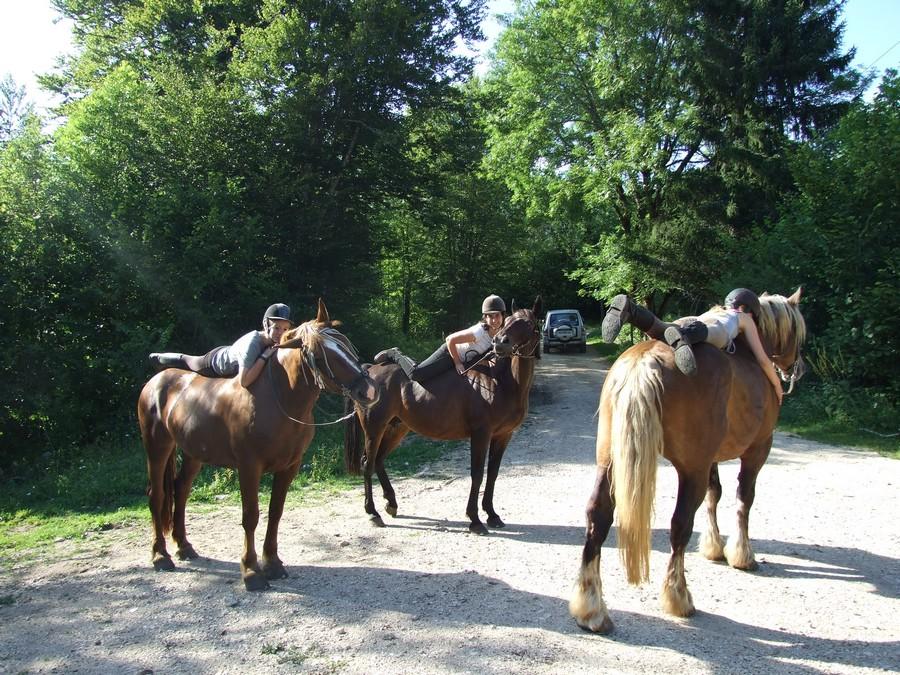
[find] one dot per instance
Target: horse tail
(353, 442)
(636, 439)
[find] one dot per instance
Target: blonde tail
(636, 439)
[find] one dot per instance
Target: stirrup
(684, 354)
(616, 315)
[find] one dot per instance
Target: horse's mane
(313, 334)
(781, 322)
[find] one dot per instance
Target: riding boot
(163, 360)
(680, 338)
(394, 355)
(623, 310)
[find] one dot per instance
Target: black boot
(680, 338)
(621, 311)
(394, 355)
(163, 360)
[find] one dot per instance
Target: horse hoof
(187, 553)
(604, 627)
(494, 521)
(163, 563)
(256, 582)
(478, 528)
(376, 521)
(392, 510)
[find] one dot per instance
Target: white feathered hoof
(712, 547)
(739, 555)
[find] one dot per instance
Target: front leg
(498, 447)
(738, 552)
(711, 543)
(254, 579)
(479, 446)
(272, 567)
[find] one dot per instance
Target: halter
(528, 349)
(792, 374)
(309, 361)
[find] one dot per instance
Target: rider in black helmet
(459, 348)
(244, 359)
(719, 326)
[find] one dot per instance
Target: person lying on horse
(718, 326)
(463, 347)
(244, 359)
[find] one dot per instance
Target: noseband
(793, 374)
(527, 350)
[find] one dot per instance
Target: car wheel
(582, 348)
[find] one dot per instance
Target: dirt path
(424, 596)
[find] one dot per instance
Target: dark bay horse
(484, 405)
(648, 408)
(263, 429)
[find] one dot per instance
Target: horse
(485, 405)
(727, 410)
(265, 428)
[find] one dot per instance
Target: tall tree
(14, 108)
(613, 104)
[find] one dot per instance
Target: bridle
(327, 335)
(793, 374)
(526, 350)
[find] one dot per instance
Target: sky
(32, 37)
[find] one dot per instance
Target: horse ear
(322, 317)
(538, 301)
(795, 298)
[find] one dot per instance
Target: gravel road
(424, 596)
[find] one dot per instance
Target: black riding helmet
(277, 311)
(745, 297)
(493, 303)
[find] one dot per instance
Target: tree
(613, 106)
(14, 108)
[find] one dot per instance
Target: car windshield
(567, 317)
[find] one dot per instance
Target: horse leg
(498, 447)
(190, 467)
(711, 543)
(479, 448)
(587, 605)
(272, 567)
(160, 466)
(373, 442)
(676, 598)
(738, 552)
(391, 439)
(254, 579)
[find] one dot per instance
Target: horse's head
(783, 332)
(520, 335)
(331, 359)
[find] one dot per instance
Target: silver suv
(564, 328)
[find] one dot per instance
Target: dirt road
(425, 596)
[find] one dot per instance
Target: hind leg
(587, 605)
(190, 467)
(395, 433)
(711, 543)
(738, 552)
(370, 464)
(160, 458)
(676, 598)
(498, 447)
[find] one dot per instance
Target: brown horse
(263, 429)
(649, 408)
(485, 405)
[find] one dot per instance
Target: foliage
(14, 109)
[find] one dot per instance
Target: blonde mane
(781, 323)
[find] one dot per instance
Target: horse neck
(521, 371)
(295, 380)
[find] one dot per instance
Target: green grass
(68, 495)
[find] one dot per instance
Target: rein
(309, 360)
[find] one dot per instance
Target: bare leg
(587, 605)
(711, 543)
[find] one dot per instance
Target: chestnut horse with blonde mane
(648, 408)
(265, 428)
(486, 405)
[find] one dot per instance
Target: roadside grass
(69, 496)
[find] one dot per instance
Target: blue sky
(31, 38)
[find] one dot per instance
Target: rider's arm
(458, 338)
(247, 376)
(751, 333)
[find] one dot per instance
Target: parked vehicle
(564, 328)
